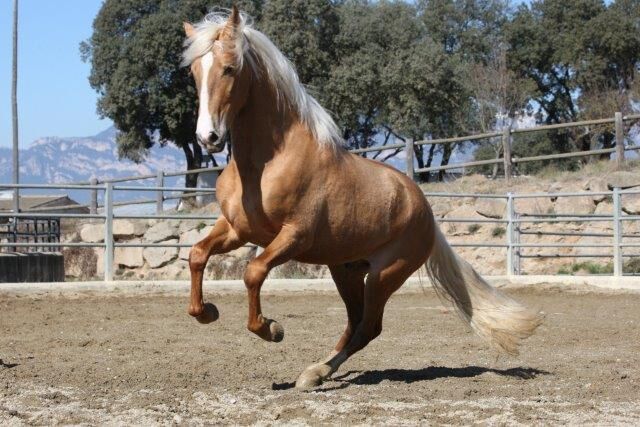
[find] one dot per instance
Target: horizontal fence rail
(517, 225)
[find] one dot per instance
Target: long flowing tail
(492, 315)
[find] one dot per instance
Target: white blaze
(205, 125)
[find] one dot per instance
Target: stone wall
(172, 263)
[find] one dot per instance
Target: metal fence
(408, 146)
(515, 223)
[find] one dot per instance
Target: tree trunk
(194, 161)
(418, 151)
(446, 155)
(432, 151)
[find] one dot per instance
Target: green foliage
(498, 232)
(472, 228)
(389, 70)
(588, 266)
(632, 266)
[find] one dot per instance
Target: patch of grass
(498, 231)
(472, 228)
(632, 266)
(200, 226)
(588, 266)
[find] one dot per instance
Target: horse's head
(221, 80)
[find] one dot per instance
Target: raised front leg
(221, 239)
(287, 244)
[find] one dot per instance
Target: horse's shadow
(424, 374)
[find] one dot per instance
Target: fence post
(409, 153)
(619, 141)
(160, 193)
(93, 207)
(617, 234)
(108, 232)
(506, 149)
(510, 235)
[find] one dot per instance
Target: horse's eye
(228, 70)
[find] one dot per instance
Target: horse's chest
(246, 214)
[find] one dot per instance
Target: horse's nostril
(213, 137)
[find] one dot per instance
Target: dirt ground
(96, 359)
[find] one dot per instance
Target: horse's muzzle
(213, 144)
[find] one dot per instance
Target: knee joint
(197, 258)
(255, 274)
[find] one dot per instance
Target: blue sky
(54, 97)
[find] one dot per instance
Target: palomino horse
(291, 188)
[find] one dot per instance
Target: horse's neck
(262, 130)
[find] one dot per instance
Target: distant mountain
(55, 160)
(75, 159)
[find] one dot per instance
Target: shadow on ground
(425, 374)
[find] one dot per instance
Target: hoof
(209, 314)
(313, 376)
(277, 331)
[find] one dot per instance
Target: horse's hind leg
(221, 239)
(380, 284)
(349, 279)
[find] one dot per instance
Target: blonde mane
(276, 67)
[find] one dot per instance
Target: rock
(161, 231)
(177, 270)
(244, 252)
(533, 206)
(126, 228)
(190, 238)
(129, 257)
(92, 233)
(462, 228)
(491, 208)
(598, 185)
(623, 179)
(159, 257)
(99, 261)
(582, 205)
(440, 208)
(631, 203)
(604, 208)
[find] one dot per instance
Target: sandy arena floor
(135, 359)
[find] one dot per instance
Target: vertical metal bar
(506, 149)
(108, 232)
(160, 194)
(510, 224)
(619, 140)
(93, 208)
(617, 234)
(14, 110)
(409, 153)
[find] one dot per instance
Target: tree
(370, 35)
(304, 31)
(500, 96)
(135, 54)
(465, 32)
(582, 56)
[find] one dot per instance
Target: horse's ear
(234, 18)
(233, 23)
(188, 29)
